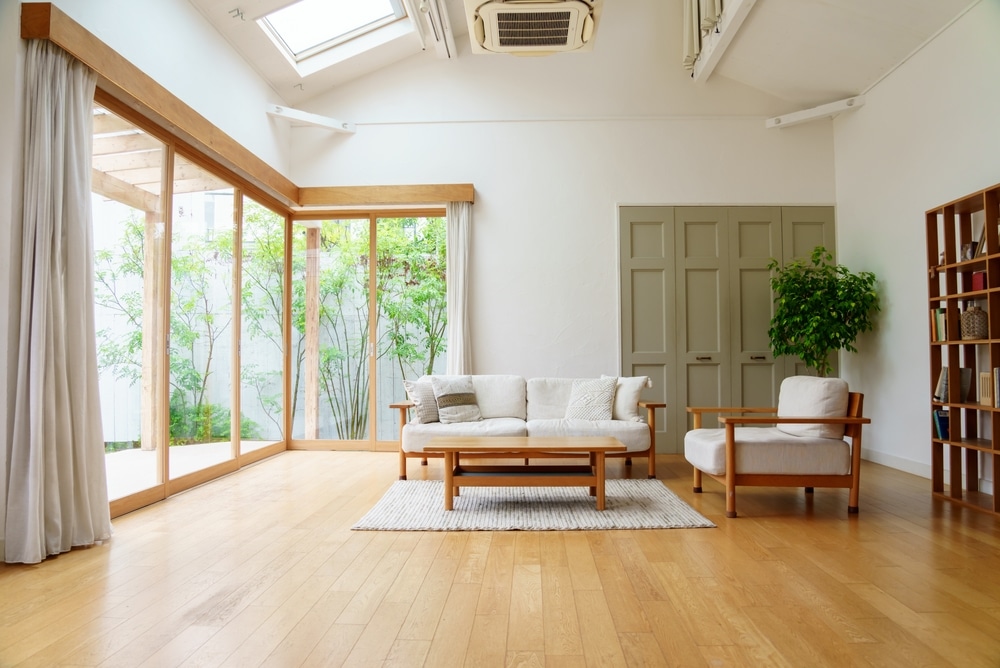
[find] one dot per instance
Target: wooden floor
(261, 568)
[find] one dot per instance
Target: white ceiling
(807, 52)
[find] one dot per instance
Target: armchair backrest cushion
(809, 396)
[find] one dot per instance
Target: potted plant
(820, 307)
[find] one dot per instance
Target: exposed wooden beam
(114, 162)
(124, 81)
(124, 192)
(376, 195)
(125, 143)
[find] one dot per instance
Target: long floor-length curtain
(57, 494)
(459, 231)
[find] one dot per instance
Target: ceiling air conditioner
(530, 27)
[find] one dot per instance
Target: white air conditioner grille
(533, 28)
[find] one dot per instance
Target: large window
(365, 315)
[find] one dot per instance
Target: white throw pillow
(421, 393)
(591, 399)
(809, 396)
(456, 399)
(627, 390)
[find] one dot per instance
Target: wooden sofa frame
(732, 478)
(650, 454)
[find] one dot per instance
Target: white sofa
(513, 406)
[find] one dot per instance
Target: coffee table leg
(600, 480)
(449, 477)
(593, 471)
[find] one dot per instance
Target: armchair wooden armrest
(650, 407)
(698, 411)
(773, 419)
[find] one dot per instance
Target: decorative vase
(975, 323)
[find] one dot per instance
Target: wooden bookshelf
(963, 271)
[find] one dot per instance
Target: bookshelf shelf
(963, 270)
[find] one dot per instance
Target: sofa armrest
(404, 414)
(798, 419)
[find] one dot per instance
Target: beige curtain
(700, 18)
(56, 489)
(459, 245)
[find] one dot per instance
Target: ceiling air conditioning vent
(525, 27)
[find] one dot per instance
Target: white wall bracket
(816, 113)
(306, 118)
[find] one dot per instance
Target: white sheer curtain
(57, 494)
(459, 232)
(700, 18)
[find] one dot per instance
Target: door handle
(704, 358)
(758, 357)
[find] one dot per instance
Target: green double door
(696, 302)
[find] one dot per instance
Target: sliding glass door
(368, 310)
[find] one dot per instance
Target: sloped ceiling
(806, 52)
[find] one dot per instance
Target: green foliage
(204, 423)
(819, 308)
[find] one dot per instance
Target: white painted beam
(714, 44)
(822, 111)
(307, 118)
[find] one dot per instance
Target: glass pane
(330, 377)
(412, 311)
(310, 23)
(201, 334)
(128, 248)
(260, 339)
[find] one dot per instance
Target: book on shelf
(940, 325)
(965, 378)
(941, 424)
(941, 389)
(996, 387)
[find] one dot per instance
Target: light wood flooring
(261, 568)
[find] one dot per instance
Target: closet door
(755, 237)
(703, 299)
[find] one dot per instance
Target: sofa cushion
(456, 399)
(809, 396)
(767, 450)
(498, 395)
(548, 397)
(633, 435)
(416, 436)
(591, 399)
(421, 393)
(627, 390)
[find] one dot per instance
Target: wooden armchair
(806, 447)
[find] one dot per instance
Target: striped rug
(418, 505)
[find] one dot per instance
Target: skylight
(309, 27)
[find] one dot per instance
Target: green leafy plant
(820, 307)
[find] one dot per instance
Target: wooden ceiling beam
(124, 192)
(379, 195)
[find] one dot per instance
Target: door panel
(702, 238)
(647, 303)
(756, 236)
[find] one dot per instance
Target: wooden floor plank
(261, 568)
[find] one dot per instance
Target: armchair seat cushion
(633, 435)
(417, 436)
(770, 451)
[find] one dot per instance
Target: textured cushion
(421, 393)
(809, 396)
(627, 390)
(456, 399)
(591, 399)
(767, 450)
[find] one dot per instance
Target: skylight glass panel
(309, 26)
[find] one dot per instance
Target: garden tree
(410, 298)
(261, 302)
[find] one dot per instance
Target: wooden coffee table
(525, 448)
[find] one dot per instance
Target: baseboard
(898, 463)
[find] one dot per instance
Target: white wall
(174, 44)
(928, 134)
(553, 145)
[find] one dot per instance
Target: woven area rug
(418, 505)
